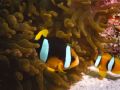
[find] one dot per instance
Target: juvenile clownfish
(106, 62)
(55, 52)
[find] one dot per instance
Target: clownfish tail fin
(43, 32)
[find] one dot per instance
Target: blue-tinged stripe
(68, 57)
(97, 62)
(44, 50)
(111, 63)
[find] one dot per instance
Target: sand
(91, 83)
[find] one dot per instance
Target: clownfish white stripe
(68, 57)
(44, 50)
(97, 61)
(111, 63)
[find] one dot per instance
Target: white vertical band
(68, 57)
(111, 63)
(97, 62)
(44, 50)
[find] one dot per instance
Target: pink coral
(112, 33)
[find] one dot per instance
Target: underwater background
(81, 23)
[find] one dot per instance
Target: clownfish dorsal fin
(43, 32)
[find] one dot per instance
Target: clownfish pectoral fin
(102, 73)
(43, 32)
(60, 69)
(50, 69)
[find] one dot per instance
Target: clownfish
(107, 62)
(55, 52)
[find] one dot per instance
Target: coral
(112, 33)
(73, 20)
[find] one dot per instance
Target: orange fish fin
(116, 72)
(75, 63)
(51, 69)
(102, 73)
(60, 69)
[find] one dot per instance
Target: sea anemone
(73, 20)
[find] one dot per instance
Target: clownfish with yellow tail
(107, 63)
(55, 52)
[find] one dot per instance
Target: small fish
(107, 62)
(55, 52)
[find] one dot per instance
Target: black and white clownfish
(55, 52)
(106, 62)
